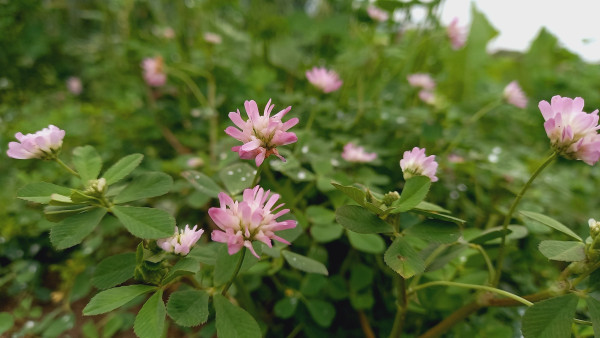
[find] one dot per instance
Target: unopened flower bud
(594, 227)
(390, 197)
(96, 187)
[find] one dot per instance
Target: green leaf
(72, 230)
(304, 263)
(87, 162)
(226, 263)
(594, 307)
(321, 311)
(415, 190)
(237, 177)
(114, 270)
(6, 322)
(489, 235)
(565, 251)
(122, 168)
(188, 308)
(550, 318)
(319, 214)
(435, 231)
(551, 223)
(370, 243)
(41, 192)
(426, 206)
(353, 192)
(361, 220)
(202, 183)
(403, 259)
(324, 233)
(59, 213)
(286, 307)
(111, 299)
(147, 223)
(233, 321)
(205, 254)
(145, 186)
(150, 321)
(184, 266)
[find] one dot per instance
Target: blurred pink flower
(74, 85)
(456, 34)
(261, 134)
(44, 144)
(240, 223)
(213, 38)
(154, 74)
(414, 163)
(195, 162)
(353, 153)
(168, 33)
(427, 96)
(182, 241)
(572, 132)
(326, 80)
(421, 80)
(514, 95)
(377, 13)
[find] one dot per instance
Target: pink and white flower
(421, 80)
(213, 38)
(154, 73)
(182, 241)
(514, 95)
(44, 144)
(572, 132)
(254, 218)
(427, 96)
(326, 80)
(457, 34)
(354, 153)
(261, 135)
(415, 163)
(377, 13)
(74, 85)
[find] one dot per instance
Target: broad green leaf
(312, 284)
(114, 270)
(370, 243)
(319, 214)
(361, 220)
(150, 321)
(415, 190)
(233, 321)
(226, 263)
(566, 251)
(87, 162)
(184, 266)
(60, 200)
(361, 276)
(594, 308)
(202, 182)
(403, 259)
(146, 223)
(551, 223)
(441, 217)
(426, 206)
(489, 235)
(493, 235)
(324, 233)
(122, 168)
(59, 213)
(321, 311)
(237, 177)
(145, 186)
(72, 230)
(435, 231)
(353, 192)
(286, 307)
(6, 322)
(41, 192)
(304, 263)
(550, 318)
(188, 308)
(205, 254)
(111, 299)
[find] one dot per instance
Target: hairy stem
(67, 168)
(235, 272)
(473, 286)
(402, 305)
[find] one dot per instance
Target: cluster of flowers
(426, 84)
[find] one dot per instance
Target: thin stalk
(467, 126)
(360, 94)
(508, 217)
(295, 331)
(235, 272)
(67, 168)
(311, 118)
(191, 85)
(451, 320)
(475, 287)
(257, 175)
(402, 305)
(364, 324)
(487, 259)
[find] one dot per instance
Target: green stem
(502, 249)
(473, 286)
(235, 272)
(360, 93)
(62, 164)
(257, 175)
(581, 277)
(191, 85)
(402, 305)
(487, 259)
(467, 125)
(311, 118)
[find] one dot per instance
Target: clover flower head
(572, 132)
(261, 134)
(324, 79)
(415, 163)
(377, 13)
(182, 241)
(427, 96)
(353, 153)
(456, 34)
(254, 218)
(514, 95)
(421, 80)
(154, 73)
(44, 144)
